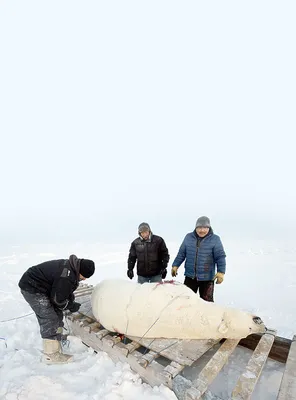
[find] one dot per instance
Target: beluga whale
(167, 310)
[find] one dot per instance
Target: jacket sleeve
(181, 255)
(219, 256)
(62, 289)
(71, 298)
(164, 254)
(132, 257)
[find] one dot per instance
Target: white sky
(118, 112)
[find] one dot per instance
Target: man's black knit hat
(87, 268)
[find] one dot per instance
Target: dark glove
(164, 273)
(74, 307)
(130, 273)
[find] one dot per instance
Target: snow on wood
(288, 384)
(247, 381)
(211, 370)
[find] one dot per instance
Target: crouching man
(48, 288)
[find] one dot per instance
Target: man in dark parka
(48, 288)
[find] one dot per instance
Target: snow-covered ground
(260, 278)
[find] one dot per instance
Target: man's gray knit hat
(203, 222)
(143, 227)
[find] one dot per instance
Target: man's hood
(75, 264)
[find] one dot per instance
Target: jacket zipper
(196, 255)
(146, 265)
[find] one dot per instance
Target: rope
(168, 304)
(13, 319)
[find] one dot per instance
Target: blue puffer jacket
(201, 263)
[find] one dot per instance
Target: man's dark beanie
(87, 268)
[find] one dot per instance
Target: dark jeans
(50, 318)
(151, 279)
(205, 288)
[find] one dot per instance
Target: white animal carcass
(167, 310)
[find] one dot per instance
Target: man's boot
(52, 353)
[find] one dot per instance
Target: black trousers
(205, 288)
(50, 318)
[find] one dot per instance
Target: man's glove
(174, 271)
(163, 273)
(219, 276)
(130, 273)
(74, 307)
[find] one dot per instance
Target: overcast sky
(118, 112)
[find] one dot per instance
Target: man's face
(145, 235)
(81, 278)
(202, 231)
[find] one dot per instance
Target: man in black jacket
(150, 253)
(48, 288)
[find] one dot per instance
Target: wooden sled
(162, 361)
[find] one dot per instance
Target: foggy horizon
(116, 113)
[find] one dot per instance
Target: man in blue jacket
(203, 251)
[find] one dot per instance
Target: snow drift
(167, 310)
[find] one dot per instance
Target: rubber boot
(52, 353)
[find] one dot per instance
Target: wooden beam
(288, 384)
(151, 374)
(211, 370)
(247, 381)
(184, 352)
(148, 358)
(83, 293)
(170, 372)
(278, 352)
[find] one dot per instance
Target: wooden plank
(73, 316)
(280, 347)
(132, 346)
(102, 333)
(211, 370)
(151, 374)
(83, 293)
(109, 340)
(85, 321)
(288, 384)
(170, 372)
(184, 352)
(128, 348)
(95, 326)
(174, 368)
(83, 287)
(247, 381)
(147, 358)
